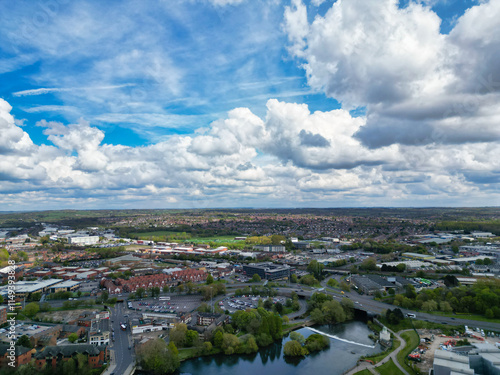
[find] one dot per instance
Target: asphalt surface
(123, 355)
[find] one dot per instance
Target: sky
(249, 103)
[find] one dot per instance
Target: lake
(336, 359)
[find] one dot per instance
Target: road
(122, 354)
(367, 303)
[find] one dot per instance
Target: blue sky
(222, 103)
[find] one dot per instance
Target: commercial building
(268, 270)
(65, 286)
(484, 359)
(83, 240)
(270, 248)
(25, 288)
(366, 285)
(417, 256)
(447, 363)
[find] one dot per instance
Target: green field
(412, 341)
(363, 372)
(388, 368)
(165, 234)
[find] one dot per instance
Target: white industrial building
(83, 240)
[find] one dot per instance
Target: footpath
(371, 367)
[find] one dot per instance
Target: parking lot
(163, 305)
(233, 304)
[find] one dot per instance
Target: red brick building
(51, 355)
(23, 355)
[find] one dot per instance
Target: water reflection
(339, 357)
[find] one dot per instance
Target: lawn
(389, 368)
(187, 353)
(380, 356)
(412, 341)
(363, 372)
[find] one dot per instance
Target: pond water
(335, 360)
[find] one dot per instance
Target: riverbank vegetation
(482, 298)
(299, 347)
(325, 310)
(412, 340)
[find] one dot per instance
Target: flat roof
(67, 284)
(32, 286)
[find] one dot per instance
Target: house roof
(19, 349)
(69, 350)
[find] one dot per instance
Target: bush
(317, 342)
(294, 349)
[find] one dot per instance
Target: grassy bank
(412, 341)
(376, 358)
(389, 368)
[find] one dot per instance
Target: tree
(410, 291)
(256, 278)
(429, 306)
(251, 345)
(218, 339)
(140, 292)
(297, 337)
(210, 279)
(178, 334)
(332, 283)
(345, 286)
(294, 349)
(31, 309)
(279, 307)
(157, 357)
(369, 264)
(293, 278)
(445, 306)
(206, 347)
(24, 340)
(316, 269)
(191, 337)
(104, 296)
(277, 239)
(268, 304)
(316, 342)
(155, 291)
(69, 366)
(229, 343)
(72, 337)
(309, 280)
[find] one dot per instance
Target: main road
(122, 348)
(368, 304)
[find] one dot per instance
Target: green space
(389, 368)
(363, 372)
(182, 236)
(412, 341)
(464, 316)
(380, 356)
